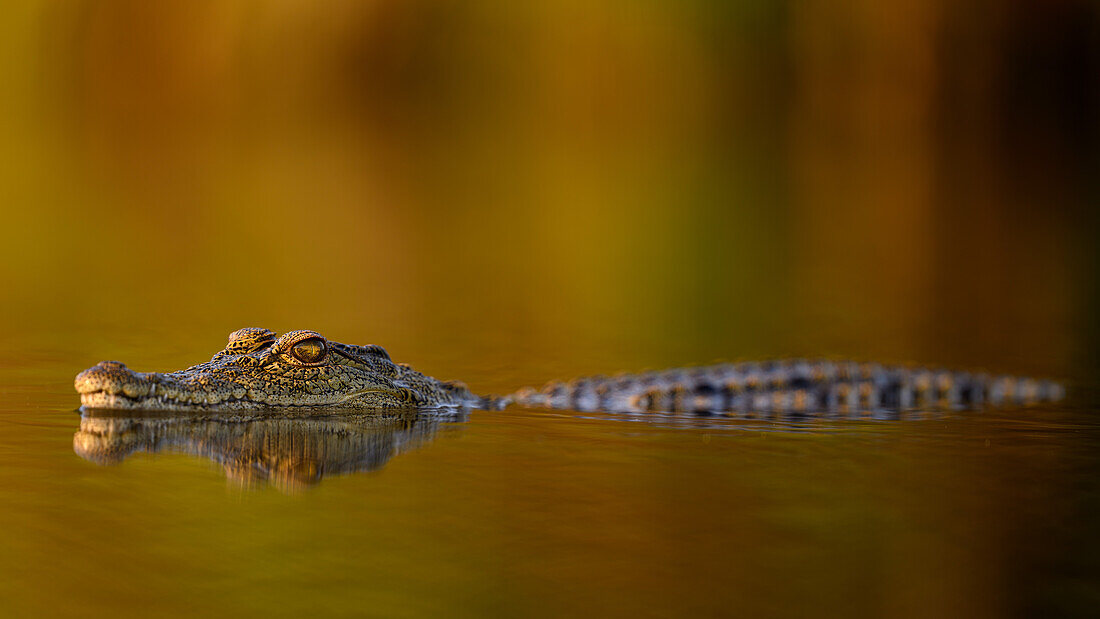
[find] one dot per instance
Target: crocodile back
(795, 385)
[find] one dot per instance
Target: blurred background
(510, 192)
(556, 186)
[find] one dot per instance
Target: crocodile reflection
(288, 452)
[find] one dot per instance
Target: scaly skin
(792, 385)
(301, 370)
(259, 371)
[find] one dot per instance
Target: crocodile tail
(787, 385)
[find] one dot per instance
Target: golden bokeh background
(597, 183)
(511, 192)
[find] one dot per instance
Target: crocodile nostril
(104, 376)
(87, 381)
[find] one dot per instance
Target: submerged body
(301, 369)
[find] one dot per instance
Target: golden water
(531, 513)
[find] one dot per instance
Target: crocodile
(304, 371)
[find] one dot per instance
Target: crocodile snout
(99, 376)
(110, 384)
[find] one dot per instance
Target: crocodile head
(258, 370)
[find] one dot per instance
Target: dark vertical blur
(1017, 163)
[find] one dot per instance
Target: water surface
(532, 513)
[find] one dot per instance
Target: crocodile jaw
(112, 385)
(117, 401)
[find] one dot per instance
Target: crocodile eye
(312, 350)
